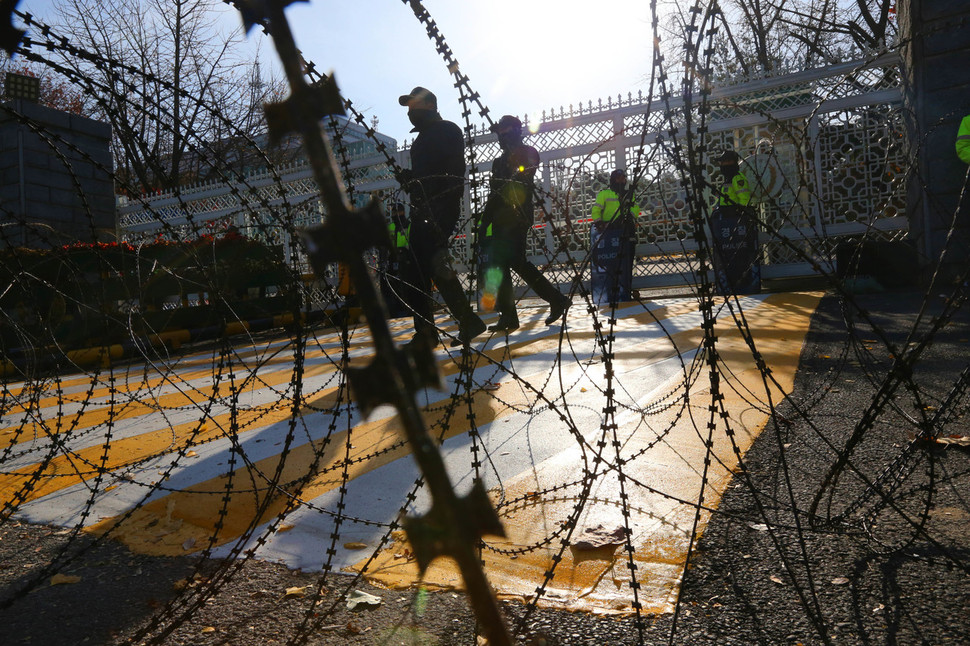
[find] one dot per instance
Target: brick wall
(55, 177)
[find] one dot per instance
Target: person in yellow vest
(735, 190)
(734, 231)
(397, 226)
(963, 140)
(395, 263)
(614, 248)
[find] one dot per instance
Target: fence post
(936, 77)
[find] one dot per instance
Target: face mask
(419, 117)
(507, 139)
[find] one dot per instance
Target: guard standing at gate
(614, 246)
(395, 264)
(734, 232)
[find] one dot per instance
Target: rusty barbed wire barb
(446, 530)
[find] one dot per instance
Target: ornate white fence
(823, 148)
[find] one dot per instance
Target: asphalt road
(803, 547)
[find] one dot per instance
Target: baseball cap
(508, 122)
(420, 99)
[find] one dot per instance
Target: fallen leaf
(59, 579)
(761, 527)
(355, 545)
(840, 580)
(208, 629)
(191, 454)
(358, 598)
(296, 591)
(284, 528)
(956, 440)
(188, 544)
(776, 580)
(879, 608)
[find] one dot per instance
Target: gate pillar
(936, 76)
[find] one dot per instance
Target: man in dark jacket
(506, 222)
(435, 184)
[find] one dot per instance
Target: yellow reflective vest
(737, 193)
(607, 204)
(399, 237)
(963, 140)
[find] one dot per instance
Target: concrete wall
(936, 67)
(55, 177)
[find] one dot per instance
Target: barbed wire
(63, 420)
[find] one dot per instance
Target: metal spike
(9, 35)
(315, 102)
(333, 241)
(432, 535)
(256, 12)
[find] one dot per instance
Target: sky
(522, 56)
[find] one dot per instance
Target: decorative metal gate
(822, 149)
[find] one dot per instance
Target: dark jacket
(438, 173)
(511, 197)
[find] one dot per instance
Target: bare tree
(181, 88)
(56, 91)
(753, 38)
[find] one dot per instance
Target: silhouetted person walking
(509, 217)
(435, 184)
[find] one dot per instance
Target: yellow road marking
(600, 582)
(195, 511)
(192, 514)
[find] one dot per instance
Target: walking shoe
(468, 330)
(557, 309)
(424, 337)
(504, 325)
